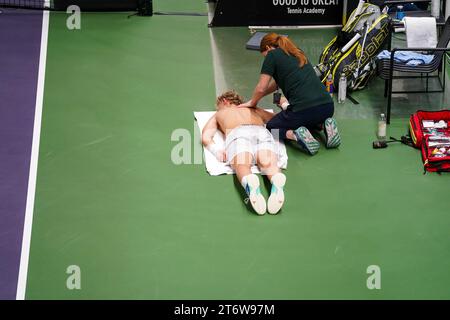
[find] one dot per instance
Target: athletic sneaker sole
(256, 198)
(276, 199)
(332, 133)
(306, 141)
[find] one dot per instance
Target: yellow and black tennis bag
(354, 49)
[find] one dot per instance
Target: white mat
(214, 166)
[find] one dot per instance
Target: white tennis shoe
(254, 194)
(276, 199)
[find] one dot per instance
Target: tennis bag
(354, 49)
(430, 131)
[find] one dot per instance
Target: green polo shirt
(301, 86)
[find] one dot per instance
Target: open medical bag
(430, 131)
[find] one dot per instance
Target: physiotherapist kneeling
(310, 105)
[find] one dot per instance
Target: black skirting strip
(193, 14)
(352, 99)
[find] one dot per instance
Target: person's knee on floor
(277, 132)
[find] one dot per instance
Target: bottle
(342, 93)
(382, 128)
(317, 70)
(329, 84)
(400, 13)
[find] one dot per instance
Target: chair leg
(444, 75)
(388, 110)
(440, 74)
(390, 79)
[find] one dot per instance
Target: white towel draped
(421, 32)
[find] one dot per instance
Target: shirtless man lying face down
(247, 142)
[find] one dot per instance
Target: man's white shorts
(248, 138)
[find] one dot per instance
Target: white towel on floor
(421, 32)
(214, 166)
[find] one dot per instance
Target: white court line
(26, 239)
(219, 75)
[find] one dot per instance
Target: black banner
(277, 13)
(98, 5)
(241, 309)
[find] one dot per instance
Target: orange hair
(285, 44)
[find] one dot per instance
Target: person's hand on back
(248, 104)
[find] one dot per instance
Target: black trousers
(291, 120)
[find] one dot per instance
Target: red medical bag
(430, 131)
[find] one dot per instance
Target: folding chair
(386, 68)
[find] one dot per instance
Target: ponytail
(285, 44)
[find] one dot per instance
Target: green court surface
(110, 200)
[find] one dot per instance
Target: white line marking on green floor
(26, 240)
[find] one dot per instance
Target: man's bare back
(233, 117)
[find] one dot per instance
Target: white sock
(244, 181)
(279, 177)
